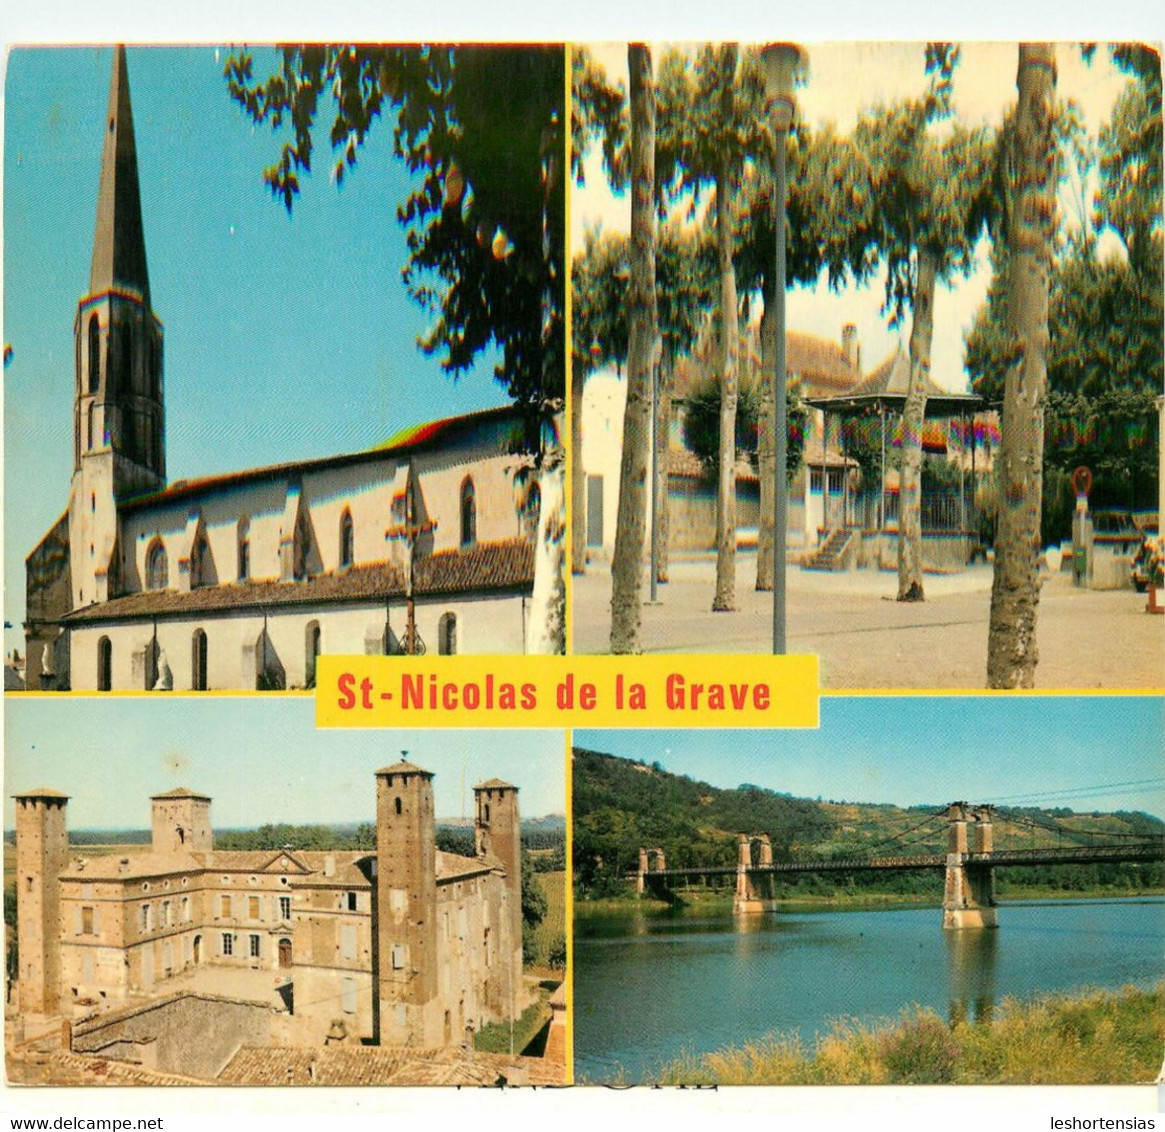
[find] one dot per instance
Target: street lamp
(783, 61)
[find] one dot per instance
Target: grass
(1095, 1038)
(495, 1038)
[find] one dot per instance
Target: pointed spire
(119, 246)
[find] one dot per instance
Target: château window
(346, 541)
(228, 943)
(157, 569)
(285, 908)
(468, 513)
(254, 946)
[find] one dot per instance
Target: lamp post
(782, 63)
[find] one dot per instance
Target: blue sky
(260, 759)
(285, 337)
(1096, 752)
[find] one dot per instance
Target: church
(404, 944)
(240, 581)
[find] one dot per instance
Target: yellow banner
(567, 691)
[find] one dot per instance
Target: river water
(649, 986)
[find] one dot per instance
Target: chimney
(850, 347)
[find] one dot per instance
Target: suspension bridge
(969, 862)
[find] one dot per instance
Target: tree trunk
(546, 629)
(913, 422)
(725, 599)
(766, 455)
(578, 478)
(627, 564)
(667, 385)
(1015, 591)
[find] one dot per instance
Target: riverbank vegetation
(1095, 1038)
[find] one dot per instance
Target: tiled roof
(403, 766)
(495, 784)
(818, 363)
(41, 792)
(383, 1065)
(181, 792)
(686, 464)
(887, 386)
(408, 441)
(347, 873)
(488, 566)
(137, 866)
(452, 866)
(60, 1067)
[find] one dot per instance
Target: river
(650, 985)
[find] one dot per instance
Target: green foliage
(701, 423)
(533, 898)
(1091, 1039)
(1104, 322)
(598, 111)
(480, 126)
(556, 959)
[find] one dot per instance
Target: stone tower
(181, 822)
(498, 837)
(118, 418)
(42, 854)
(406, 907)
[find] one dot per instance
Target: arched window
(198, 661)
(468, 513)
(105, 665)
(157, 570)
(199, 561)
(94, 353)
(447, 635)
(347, 540)
(244, 542)
(311, 652)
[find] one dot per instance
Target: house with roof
(240, 581)
(815, 366)
(404, 944)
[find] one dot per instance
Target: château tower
(498, 838)
(181, 822)
(42, 854)
(406, 903)
(118, 416)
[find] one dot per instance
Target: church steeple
(119, 246)
(118, 404)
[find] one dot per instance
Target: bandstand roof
(885, 389)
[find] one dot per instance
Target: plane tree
(934, 199)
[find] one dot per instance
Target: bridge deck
(1079, 855)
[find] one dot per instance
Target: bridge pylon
(754, 890)
(969, 896)
(647, 875)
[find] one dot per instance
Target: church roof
(492, 566)
(500, 426)
(119, 246)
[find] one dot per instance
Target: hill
(621, 805)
